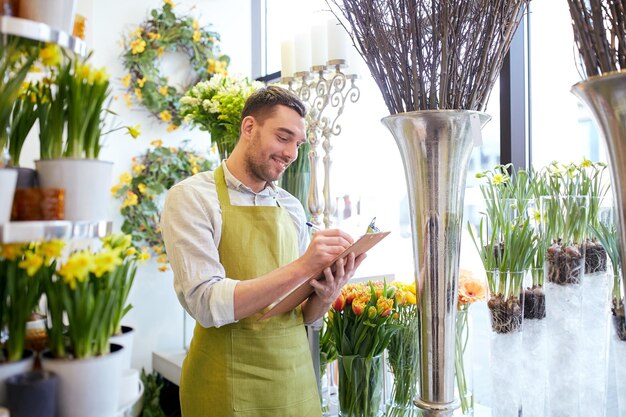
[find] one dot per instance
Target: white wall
(156, 315)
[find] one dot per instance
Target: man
(236, 242)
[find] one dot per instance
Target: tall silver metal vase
(605, 96)
(436, 146)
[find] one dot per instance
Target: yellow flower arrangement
(23, 270)
(151, 175)
(91, 290)
(144, 47)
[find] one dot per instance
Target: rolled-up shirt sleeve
(190, 231)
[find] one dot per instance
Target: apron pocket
(272, 369)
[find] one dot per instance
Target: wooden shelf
(28, 231)
(41, 32)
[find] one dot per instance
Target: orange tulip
(358, 306)
(339, 303)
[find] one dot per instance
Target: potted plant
(506, 243)
(215, 106)
(71, 111)
(89, 290)
(16, 59)
(23, 270)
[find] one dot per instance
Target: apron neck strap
(220, 185)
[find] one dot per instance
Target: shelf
(41, 32)
(28, 231)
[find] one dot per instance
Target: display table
(169, 365)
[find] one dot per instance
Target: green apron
(251, 368)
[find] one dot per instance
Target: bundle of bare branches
(600, 34)
(432, 54)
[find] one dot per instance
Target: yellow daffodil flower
(106, 261)
(141, 82)
(51, 249)
(170, 2)
(134, 131)
(166, 116)
(154, 36)
(125, 178)
(31, 263)
(137, 46)
(163, 268)
(77, 268)
(11, 251)
(126, 80)
(50, 55)
(131, 200)
(196, 36)
(126, 98)
(163, 90)
(142, 188)
(138, 94)
(162, 259)
(171, 127)
(138, 168)
(156, 143)
(195, 25)
(115, 189)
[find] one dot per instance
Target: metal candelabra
(326, 89)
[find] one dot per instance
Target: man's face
(275, 144)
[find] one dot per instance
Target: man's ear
(247, 125)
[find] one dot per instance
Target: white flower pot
(57, 13)
(87, 184)
(87, 387)
(8, 179)
(125, 339)
(8, 369)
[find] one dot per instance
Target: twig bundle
(600, 34)
(432, 54)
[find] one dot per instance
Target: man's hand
(328, 289)
(325, 246)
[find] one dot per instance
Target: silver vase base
(436, 409)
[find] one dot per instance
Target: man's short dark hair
(263, 102)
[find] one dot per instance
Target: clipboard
(295, 297)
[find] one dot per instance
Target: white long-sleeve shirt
(191, 225)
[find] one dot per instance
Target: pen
(312, 226)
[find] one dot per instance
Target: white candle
(338, 40)
(356, 65)
(286, 58)
(319, 45)
(302, 50)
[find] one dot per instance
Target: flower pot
(125, 339)
(57, 13)
(86, 183)
(360, 386)
(26, 178)
(87, 387)
(8, 369)
(32, 394)
(8, 179)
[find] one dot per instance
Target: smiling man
(236, 242)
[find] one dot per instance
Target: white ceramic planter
(87, 387)
(126, 340)
(57, 13)
(8, 179)
(87, 184)
(14, 368)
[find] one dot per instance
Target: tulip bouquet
(403, 352)
(362, 324)
(23, 269)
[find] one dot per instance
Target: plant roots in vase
(564, 263)
(595, 257)
(506, 314)
(534, 302)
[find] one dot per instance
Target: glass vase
(360, 386)
(403, 361)
(463, 362)
(506, 310)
